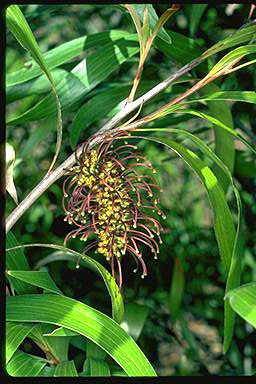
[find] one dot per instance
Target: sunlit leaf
(89, 322)
(69, 254)
(15, 334)
(10, 158)
(224, 142)
(40, 279)
(24, 365)
(16, 260)
(239, 37)
(135, 316)
(19, 27)
(83, 78)
(243, 301)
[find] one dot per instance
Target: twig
(150, 94)
(48, 180)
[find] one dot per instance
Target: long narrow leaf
(83, 78)
(16, 260)
(37, 86)
(243, 301)
(223, 222)
(15, 334)
(40, 279)
(153, 19)
(64, 53)
(96, 326)
(231, 56)
(217, 122)
(216, 95)
(67, 368)
(224, 142)
(55, 348)
(234, 263)
(25, 365)
(239, 37)
(195, 14)
(116, 297)
(234, 275)
(18, 25)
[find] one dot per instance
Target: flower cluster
(105, 195)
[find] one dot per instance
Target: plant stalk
(49, 179)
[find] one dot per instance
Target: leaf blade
(59, 310)
(15, 334)
(19, 27)
(243, 301)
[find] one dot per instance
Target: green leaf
(216, 122)
(224, 143)
(67, 368)
(233, 279)
(19, 27)
(230, 245)
(15, 334)
(230, 57)
(36, 136)
(97, 367)
(176, 290)
(223, 222)
(107, 104)
(195, 14)
(217, 95)
(16, 260)
(37, 86)
(244, 166)
(135, 316)
(239, 37)
(48, 371)
(100, 106)
(95, 364)
(183, 49)
(96, 326)
(10, 158)
(25, 365)
(61, 332)
(83, 78)
(64, 53)
(69, 254)
(94, 351)
(55, 348)
(243, 301)
(96, 108)
(40, 279)
(153, 19)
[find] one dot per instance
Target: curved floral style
(105, 195)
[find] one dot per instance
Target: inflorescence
(105, 195)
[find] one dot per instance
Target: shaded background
(193, 345)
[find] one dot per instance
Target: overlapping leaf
(69, 254)
(243, 301)
(83, 78)
(69, 313)
(18, 25)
